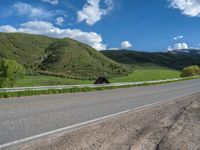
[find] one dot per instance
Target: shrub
(190, 71)
(10, 71)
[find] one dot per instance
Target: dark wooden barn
(101, 80)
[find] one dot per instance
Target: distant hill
(175, 60)
(58, 56)
(189, 52)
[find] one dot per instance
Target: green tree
(10, 71)
(190, 71)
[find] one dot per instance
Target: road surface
(28, 116)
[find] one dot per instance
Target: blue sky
(147, 25)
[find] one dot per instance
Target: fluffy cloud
(92, 13)
(178, 46)
(181, 46)
(178, 37)
(187, 7)
(46, 28)
(53, 2)
(59, 21)
(126, 45)
(7, 28)
(25, 9)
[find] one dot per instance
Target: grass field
(148, 72)
(48, 80)
(141, 73)
(148, 75)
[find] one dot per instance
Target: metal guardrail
(16, 89)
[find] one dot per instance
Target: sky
(144, 25)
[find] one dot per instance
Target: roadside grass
(77, 90)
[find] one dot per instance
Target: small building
(101, 80)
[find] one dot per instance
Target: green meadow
(145, 72)
(42, 80)
(148, 72)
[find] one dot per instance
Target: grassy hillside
(25, 48)
(79, 60)
(161, 59)
(60, 57)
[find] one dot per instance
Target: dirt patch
(173, 125)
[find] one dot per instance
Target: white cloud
(46, 28)
(123, 45)
(53, 2)
(25, 9)
(178, 37)
(7, 28)
(181, 46)
(113, 48)
(59, 21)
(126, 45)
(187, 7)
(178, 46)
(92, 13)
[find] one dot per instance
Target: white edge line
(87, 122)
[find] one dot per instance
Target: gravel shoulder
(170, 125)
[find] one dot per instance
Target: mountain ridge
(166, 59)
(190, 51)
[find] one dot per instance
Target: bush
(10, 71)
(190, 71)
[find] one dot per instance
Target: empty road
(28, 116)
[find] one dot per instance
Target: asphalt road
(28, 116)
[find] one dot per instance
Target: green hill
(25, 48)
(60, 57)
(170, 60)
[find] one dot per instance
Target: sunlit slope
(58, 56)
(79, 60)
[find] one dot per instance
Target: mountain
(189, 52)
(167, 59)
(65, 57)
